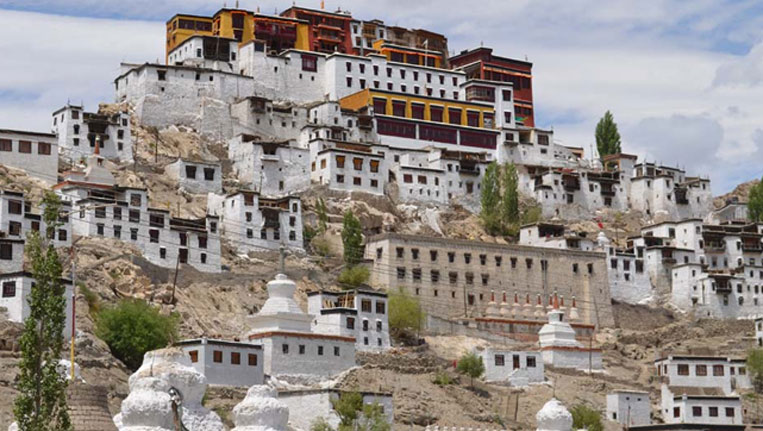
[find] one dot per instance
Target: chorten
(260, 410)
(553, 417)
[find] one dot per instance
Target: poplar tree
(490, 191)
(352, 239)
(755, 203)
(510, 198)
(41, 403)
(607, 136)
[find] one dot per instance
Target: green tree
(510, 197)
(348, 407)
(320, 424)
(490, 195)
(132, 328)
(405, 315)
(471, 366)
(607, 136)
(354, 276)
(755, 203)
(584, 417)
(352, 239)
(323, 217)
(354, 415)
(41, 402)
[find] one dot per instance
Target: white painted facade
(162, 95)
(360, 313)
(208, 52)
(252, 222)
(17, 219)
(348, 167)
(32, 152)
(700, 409)
(271, 168)
(661, 190)
(515, 368)
(11, 255)
(306, 406)
(196, 176)
(123, 213)
(79, 133)
(226, 363)
(628, 408)
(15, 289)
(265, 120)
(728, 374)
(759, 332)
(289, 344)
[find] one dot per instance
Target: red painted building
(480, 63)
(329, 31)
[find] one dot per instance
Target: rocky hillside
(740, 193)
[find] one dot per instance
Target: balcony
(609, 193)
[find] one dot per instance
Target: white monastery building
(226, 363)
(34, 153)
(290, 345)
(80, 132)
(357, 313)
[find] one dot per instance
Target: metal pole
(74, 311)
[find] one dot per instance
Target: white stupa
(166, 375)
(260, 410)
(553, 417)
(280, 312)
(559, 346)
(492, 307)
(505, 309)
(557, 332)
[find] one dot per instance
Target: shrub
(132, 328)
(320, 424)
(471, 366)
(321, 246)
(355, 276)
(584, 417)
(442, 378)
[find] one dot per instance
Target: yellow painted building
(278, 33)
(405, 54)
(425, 108)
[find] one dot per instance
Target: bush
(442, 378)
(584, 417)
(471, 366)
(405, 315)
(355, 276)
(132, 328)
(321, 246)
(320, 424)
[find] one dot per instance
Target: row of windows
(209, 173)
(402, 73)
(702, 370)
(455, 115)
(365, 306)
(500, 361)
(217, 357)
(275, 237)
(350, 324)
(467, 257)
(301, 349)
(402, 89)
(712, 411)
(25, 147)
(183, 253)
(356, 181)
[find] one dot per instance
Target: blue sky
(684, 79)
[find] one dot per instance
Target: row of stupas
(528, 310)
